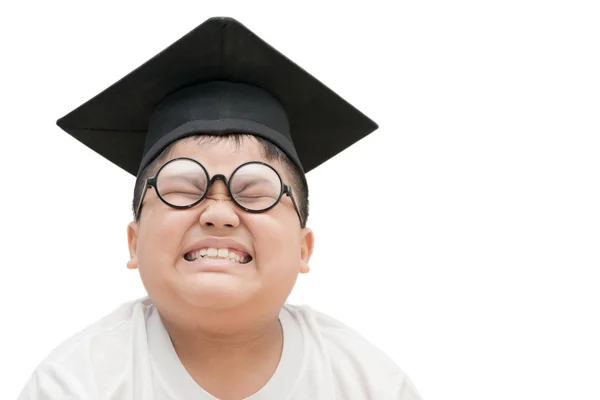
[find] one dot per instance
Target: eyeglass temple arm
(290, 193)
(147, 185)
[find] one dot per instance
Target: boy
(219, 130)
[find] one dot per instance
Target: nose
(219, 210)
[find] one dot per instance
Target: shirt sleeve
(49, 382)
(407, 390)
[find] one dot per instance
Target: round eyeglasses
(183, 182)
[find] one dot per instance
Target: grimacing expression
(173, 249)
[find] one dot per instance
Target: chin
(216, 291)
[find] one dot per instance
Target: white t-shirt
(128, 355)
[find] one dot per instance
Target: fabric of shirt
(128, 355)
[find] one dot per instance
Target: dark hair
(270, 152)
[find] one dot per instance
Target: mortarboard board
(219, 78)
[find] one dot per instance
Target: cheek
(160, 239)
(276, 245)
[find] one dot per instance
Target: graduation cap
(219, 78)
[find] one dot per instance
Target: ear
(306, 249)
(132, 233)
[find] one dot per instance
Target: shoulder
(340, 340)
(353, 360)
(107, 331)
(92, 357)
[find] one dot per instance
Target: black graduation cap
(219, 78)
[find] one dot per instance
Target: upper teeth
(212, 252)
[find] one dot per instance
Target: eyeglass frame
(152, 183)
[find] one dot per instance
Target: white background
(462, 237)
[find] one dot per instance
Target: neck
(214, 359)
(201, 342)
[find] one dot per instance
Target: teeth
(214, 253)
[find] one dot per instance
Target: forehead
(221, 154)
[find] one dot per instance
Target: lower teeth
(188, 258)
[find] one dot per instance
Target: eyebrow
(190, 178)
(253, 182)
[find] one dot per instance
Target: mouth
(212, 253)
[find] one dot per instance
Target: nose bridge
(218, 177)
(218, 188)
(219, 209)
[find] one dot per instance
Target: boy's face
(278, 247)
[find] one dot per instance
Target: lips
(218, 253)
(218, 250)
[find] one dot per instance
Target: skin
(224, 325)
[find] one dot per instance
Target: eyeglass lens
(183, 182)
